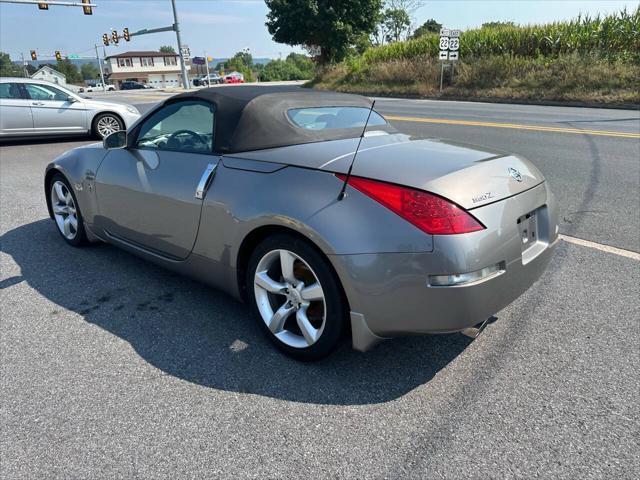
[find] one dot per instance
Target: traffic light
(43, 5)
(105, 39)
(34, 55)
(58, 56)
(114, 36)
(87, 10)
(125, 34)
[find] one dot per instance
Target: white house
(50, 75)
(158, 69)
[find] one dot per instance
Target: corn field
(615, 37)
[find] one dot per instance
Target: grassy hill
(586, 60)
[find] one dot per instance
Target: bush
(295, 67)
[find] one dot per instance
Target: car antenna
(343, 192)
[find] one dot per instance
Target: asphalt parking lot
(114, 368)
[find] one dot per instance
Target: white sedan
(35, 108)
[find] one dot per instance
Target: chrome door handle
(204, 181)
(38, 104)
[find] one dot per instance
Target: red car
(233, 79)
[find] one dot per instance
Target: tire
(322, 311)
(64, 205)
(106, 123)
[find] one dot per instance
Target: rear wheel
(107, 123)
(66, 212)
(296, 297)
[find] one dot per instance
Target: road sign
(185, 52)
(73, 56)
(449, 44)
(198, 60)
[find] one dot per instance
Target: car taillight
(430, 213)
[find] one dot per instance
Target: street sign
(185, 52)
(449, 44)
(198, 60)
(73, 56)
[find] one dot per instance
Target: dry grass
(566, 78)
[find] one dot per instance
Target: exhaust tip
(476, 330)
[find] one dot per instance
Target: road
(112, 367)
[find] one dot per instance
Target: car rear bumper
(393, 294)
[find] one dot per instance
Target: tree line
(88, 71)
(333, 29)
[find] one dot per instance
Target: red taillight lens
(430, 213)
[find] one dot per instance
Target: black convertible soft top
(255, 117)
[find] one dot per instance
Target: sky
(220, 28)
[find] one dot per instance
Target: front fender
(79, 167)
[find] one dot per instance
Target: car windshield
(324, 118)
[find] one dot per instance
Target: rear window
(326, 118)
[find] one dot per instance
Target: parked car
(131, 85)
(98, 88)
(35, 107)
(233, 79)
(212, 79)
(257, 191)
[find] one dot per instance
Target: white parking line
(603, 248)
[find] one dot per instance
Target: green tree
(331, 27)
(303, 63)
(8, 68)
(430, 26)
(89, 71)
(396, 22)
(241, 62)
(167, 49)
(295, 67)
(70, 71)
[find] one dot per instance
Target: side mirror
(115, 140)
(71, 99)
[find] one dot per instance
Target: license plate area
(532, 240)
(528, 226)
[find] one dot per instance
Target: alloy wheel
(64, 210)
(290, 298)
(108, 125)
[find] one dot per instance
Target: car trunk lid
(468, 176)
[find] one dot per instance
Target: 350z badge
(484, 197)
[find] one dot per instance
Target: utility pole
(104, 89)
(24, 66)
(176, 26)
(206, 62)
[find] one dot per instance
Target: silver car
(35, 108)
(258, 191)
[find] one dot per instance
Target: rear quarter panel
(304, 200)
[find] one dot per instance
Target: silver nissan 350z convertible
(312, 208)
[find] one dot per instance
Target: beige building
(158, 69)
